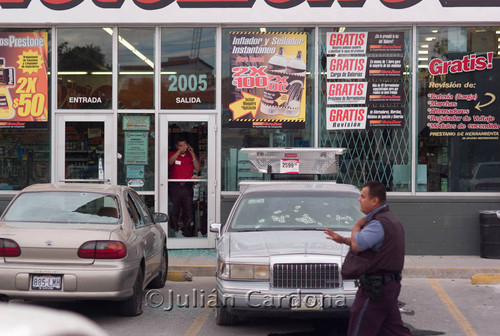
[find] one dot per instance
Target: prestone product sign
(268, 80)
(23, 80)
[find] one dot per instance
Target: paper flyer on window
(268, 80)
(355, 77)
(23, 80)
(461, 100)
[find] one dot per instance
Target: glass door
(84, 148)
(187, 178)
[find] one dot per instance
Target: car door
(150, 234)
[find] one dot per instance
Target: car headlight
(243, 271)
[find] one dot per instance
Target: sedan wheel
(133, 305)
(223, 316)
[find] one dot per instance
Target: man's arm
(356, 228)
(173, 157)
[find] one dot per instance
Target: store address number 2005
(29, 102)
(184, 82)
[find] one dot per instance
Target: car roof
(85, 187)
(293, 186)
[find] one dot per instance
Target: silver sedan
(273, 256)
(81, 241)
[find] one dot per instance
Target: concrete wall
(434, 225)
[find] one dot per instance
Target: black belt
(185, 183)
(383, 277)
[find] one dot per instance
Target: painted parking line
(199, 321)
(452, 308)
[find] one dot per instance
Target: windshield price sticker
(46, 282)
(289, 166)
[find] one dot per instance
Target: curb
(198, 270)
(448, 272)
(485, 279)
(179, 276)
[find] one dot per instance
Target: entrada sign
(158, 4)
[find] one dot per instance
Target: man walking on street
(182, 164)
(377, 242)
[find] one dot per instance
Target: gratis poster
(268, 80)
(23, 80)
(359, 74)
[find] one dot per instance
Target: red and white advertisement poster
(386, 42)
(385, 67)
(346, 67)
(340, 93)
(342, 118)
(346, 43)
(385, 93)
(386, 117)
(363, 67)
(23, 80)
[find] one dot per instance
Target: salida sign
(284, 4)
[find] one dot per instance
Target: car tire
(159, 281)
(223, 316)
(133, 305)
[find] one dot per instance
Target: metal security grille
(320, 275)
(372, 154)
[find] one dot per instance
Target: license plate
(46, 282)
(306, 302)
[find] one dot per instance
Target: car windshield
(64, 207)
(296, 211)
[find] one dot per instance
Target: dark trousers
(373, 318)
(181, 196)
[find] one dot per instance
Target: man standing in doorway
(378, 239)
(182, 164)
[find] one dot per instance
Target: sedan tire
(133, 305)
(223, 316)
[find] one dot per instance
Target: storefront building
(93, 90)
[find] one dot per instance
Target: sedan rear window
(296, 211)
(64, 207)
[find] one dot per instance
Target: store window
(136, 150)
(84, 68)
(24, 106)
(268, 85)
(365, 103)
(458, 122)
(136, 50)
(188, 68)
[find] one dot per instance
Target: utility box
(489, 221)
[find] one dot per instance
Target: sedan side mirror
(216, 227)
(160, 217)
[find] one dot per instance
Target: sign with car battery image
(268, 80)
(23, 80)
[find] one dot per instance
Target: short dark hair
(180, 139)
(376, 189)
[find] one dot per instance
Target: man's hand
(334, 236)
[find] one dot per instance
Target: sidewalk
(201, 262)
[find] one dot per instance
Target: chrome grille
(321, 275)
